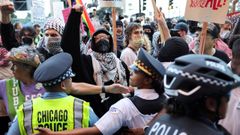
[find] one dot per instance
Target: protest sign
(207, 10)
(111, 3)
(38, 16)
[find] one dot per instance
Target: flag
(85, 17)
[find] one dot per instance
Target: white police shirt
(124, 113)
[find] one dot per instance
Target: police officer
(55, 109)
(199, 87)
(137, 111)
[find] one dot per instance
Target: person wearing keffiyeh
(101, 67)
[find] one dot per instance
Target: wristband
(103, 89)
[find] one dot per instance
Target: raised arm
(163, 26)
(7, 31)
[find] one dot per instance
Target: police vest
(172, 125)
(56, 114)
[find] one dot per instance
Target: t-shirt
(219, 54)
(128, 56)
(29, 91)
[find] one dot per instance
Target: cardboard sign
(38, 16)
(111, 3)
(207, 10)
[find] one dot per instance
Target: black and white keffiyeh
(107, 67)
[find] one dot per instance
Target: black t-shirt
(219, 54)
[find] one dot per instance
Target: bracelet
(103, 89)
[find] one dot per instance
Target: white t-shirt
(128, 56)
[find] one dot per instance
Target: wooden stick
(157, 12)
(203, 37)
(114, 29)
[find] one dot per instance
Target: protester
(199, 87)
(21, 87)
(120, 38)
(101, 67)
(38, 32)
(137, 111)
(50, 44)
(27, 34)
(211, 40)
(182, 29)
(230, 121)
(134, 41)
(5, 73)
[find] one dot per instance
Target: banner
(207, 10)
(58, 6)
(38, 16)
(111, 3)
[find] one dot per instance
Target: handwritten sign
(38, 16)
(111, 3)
(207, 10)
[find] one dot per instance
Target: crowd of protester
(57, 79)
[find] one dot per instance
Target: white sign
(207, 10)
(57, 9)
(111, 3)
(38, 16)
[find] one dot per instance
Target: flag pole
(114, 29)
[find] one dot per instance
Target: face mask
(225, 34)
(52, 44)
(102, 46)
(149, 35)
(27, 41)
(138, 42)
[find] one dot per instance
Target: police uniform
(55, 110)
(139, 110)
(173, 125)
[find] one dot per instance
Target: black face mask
(149, 35)
(27, 41)
(102, 46)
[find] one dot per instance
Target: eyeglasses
(138, 32)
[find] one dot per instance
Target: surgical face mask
(27, 40)
(138, 42)
(53, 44)
(102, 46)
(225, 34)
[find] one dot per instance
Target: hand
(7, 7)
(235, 2)
(78, 8)
(159, 16)
(44, 131)
(118, 89)
(134, 131)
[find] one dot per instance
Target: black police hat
(54, 70)
(149, 65)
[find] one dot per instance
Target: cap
(119, 23)
(181, 26)
(149, 65)
(54, 70)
